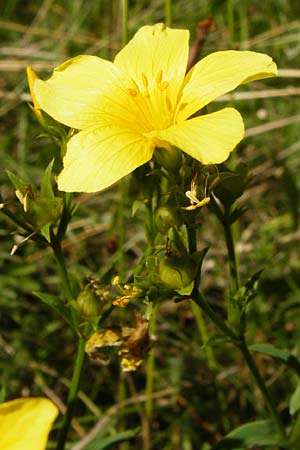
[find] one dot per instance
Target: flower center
(152, 97)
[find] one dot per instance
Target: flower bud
(166, 217)
(169, 158)
(176, 272)
(88, 304)
(43, 210)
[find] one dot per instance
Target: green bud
(43, 210)
(88, 304)
(169, 158)
(166, 217)
(176, 272)
(232, 184)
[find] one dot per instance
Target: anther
(163, 85)
(159, 76)
(168, 103)
(144, 79)
(132, 92)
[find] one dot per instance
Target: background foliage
(36, 347)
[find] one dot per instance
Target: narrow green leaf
(295, 401)
(45, 231)
(46, 186)
(135, 206)
(17, 182)
(261, 432)
(64, 311)
(215, 339)
(100, 443)
(186, 290)
(283, 355)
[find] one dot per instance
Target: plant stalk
(72, 396)
(62, 270)
(80, 356)
(168, 12)
(232, 257)
(124, 22)
(243, 347)
(150, 368)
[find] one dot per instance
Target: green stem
(150, 368)
(124, 22)
(231, 22)
(263, 388)
(72, 396)
(198, 298)
(211, 360)
(65, 217)
(62, 270)
(121, 228)
(122, 414)
(79, 361)
(212, 364)
(295, 434)
(56, 240)
(244, 28)
(233, 262)
(168, 12)
(233, 310)
(201, 325)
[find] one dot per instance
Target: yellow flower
(143, 100)
(25, 423)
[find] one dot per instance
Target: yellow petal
(99, 157)
(219, 73)
(209, 138)
(156, 54)
(25, 423)
(86, 91)
(32, 76)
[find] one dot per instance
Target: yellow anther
(163, 85)
(116, 281)
(145, 80)
(23, 199)
(194, 205)
(159, 77)
(132, 92)
(20, 196)
(121, 302)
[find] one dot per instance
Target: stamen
(20, 196)
(132, 92)
(169, 104)
(25, 203)
(182, 106)
(159, 76)
(163, 85)
(145, 80)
